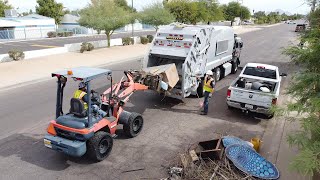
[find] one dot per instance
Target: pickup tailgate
(251, 97)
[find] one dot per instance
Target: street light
(133, 19)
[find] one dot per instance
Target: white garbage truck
(195, 49)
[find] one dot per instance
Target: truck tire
(217, 74)
(200, 90)
(234, 68)
(134, 125)
(99, 146)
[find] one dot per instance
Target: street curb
(90, 35)
(39, 80)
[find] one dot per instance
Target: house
(26, 27)
(69, 22)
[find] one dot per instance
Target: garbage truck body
(195, 49)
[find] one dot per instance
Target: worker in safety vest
(81, 94)
(209, 84)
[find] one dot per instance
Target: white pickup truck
(256, 89)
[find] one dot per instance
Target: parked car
(300, 27)
(246, 22)
(256, 89)
(291, 22)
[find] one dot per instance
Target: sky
(292, 6)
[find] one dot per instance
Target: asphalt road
(171, 126)
(30, 45)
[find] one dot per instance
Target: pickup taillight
(229, 93)
(274, 101)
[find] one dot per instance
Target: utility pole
(133, 19)
(313, 5)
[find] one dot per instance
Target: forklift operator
(81, 94)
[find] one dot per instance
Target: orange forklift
(91, 131)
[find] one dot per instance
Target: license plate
(47, 143)
(248, 106)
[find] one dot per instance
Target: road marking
(39, 45)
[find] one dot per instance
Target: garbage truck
(193, 50)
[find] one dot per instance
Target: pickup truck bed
(256, 89)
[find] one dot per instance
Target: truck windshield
(260, 72)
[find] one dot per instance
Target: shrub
(150, 37)
(126, 41)
(69, 33)
(132, 41)
(16, 54)
(86, 47)
(60, 34)
(144, 40)
(52, 34)
(90, 47)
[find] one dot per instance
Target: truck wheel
(99, 146)
(217, 73)
(134, 125)
(234, 67)
(200, 90)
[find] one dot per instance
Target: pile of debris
(204, 161)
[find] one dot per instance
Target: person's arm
(213, 84)
(85, 98)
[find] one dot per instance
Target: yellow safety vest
(79, 95)
(207, 85)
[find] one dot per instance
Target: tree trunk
(108, 37)
(316, 176)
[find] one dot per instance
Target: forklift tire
(134, 125)
(99, 146)
(200, 90)
(234, 68)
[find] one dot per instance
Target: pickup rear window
(260, 72)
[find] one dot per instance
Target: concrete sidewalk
(16, 73)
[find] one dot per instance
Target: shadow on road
(32, 150)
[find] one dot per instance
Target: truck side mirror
(283, 75)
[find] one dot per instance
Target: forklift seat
(77, 108)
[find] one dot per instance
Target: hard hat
(82, 85)
(209, 72)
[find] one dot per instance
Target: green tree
(50, 8)
(234, 9)
(305, 90)
(215, 11)
(156, 15)
(260, 17)
(187, 11)
(3, 6)
(104, 15)
(124, 5)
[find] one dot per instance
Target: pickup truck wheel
(217, 74)
(234, 67)
(134, 125)
(99, 146)
(200, 90)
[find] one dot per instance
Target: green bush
(16, 54)
(144, 40)
(127, 41)
(90, 47)
(69, 33)
(150, 37)
(60, 34)
(52, 34)
(86, 47)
